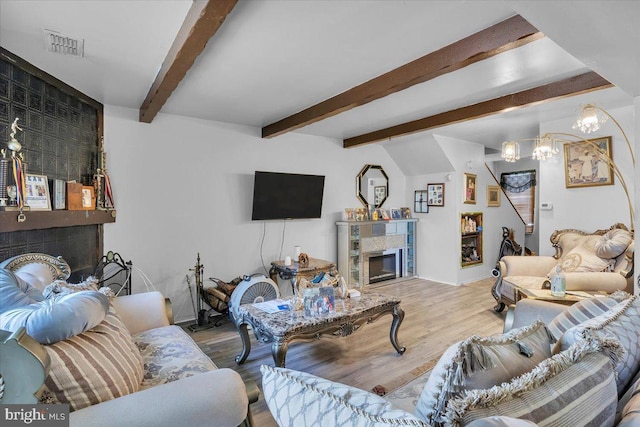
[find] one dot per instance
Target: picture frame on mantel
(469, 188)
(435, 194)
(584, 167)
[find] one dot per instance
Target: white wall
(184, 186)
(585, 208)
(439, 230)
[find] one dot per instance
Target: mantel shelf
(38, 220)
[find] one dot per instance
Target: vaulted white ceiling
(272, 58)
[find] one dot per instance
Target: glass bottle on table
(558, 283)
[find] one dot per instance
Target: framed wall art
(37, 192)
(493, 195)
(435, 194)
(470, 188)
(584, 166)
(420, 204)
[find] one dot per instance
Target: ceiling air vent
(63, 44)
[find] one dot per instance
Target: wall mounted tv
(287, 196)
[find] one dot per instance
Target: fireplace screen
(384, 267)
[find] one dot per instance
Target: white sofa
(180, 384)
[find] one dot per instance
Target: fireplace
(385, 265)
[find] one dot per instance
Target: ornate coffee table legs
(246, 344)
(398, 316)
(279, 352)
(338, 328)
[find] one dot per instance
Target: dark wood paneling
(39, 220)
(60, 137)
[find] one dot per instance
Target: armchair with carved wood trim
(598, 261)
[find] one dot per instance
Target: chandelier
(544, 147)
(590, 119)
(510, 151)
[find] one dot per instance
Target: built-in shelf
(38, 220)
(471, 238)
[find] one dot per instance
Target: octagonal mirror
(372, 186)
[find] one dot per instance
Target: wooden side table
(289, 274)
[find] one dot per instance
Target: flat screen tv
(287, 196)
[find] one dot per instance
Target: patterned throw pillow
(583, 258)
(98, 365)
(481, 363)
(168, 355)
(300, 399)
(574, 388)
(583, 311)
(621, 322)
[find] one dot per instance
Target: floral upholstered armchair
(117, 361)
(598, 261)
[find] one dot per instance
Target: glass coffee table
(284, 327)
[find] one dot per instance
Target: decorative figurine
(13, 143)
(303, 259)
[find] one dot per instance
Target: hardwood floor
(436, 316)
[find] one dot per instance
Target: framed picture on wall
(493, 195)
(588, 166)
(420, 202)
(435, 194)
(470, 188)
(37, 192)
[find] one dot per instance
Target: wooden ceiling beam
(571, 86)
(506, 35)
(203, 20)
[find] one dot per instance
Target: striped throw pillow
(95, 366)
(581, 312)
(481, 362)
(621, 323)
(574, 388)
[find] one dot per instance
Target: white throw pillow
(300, 399)
(58, 318)
(613, 243)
